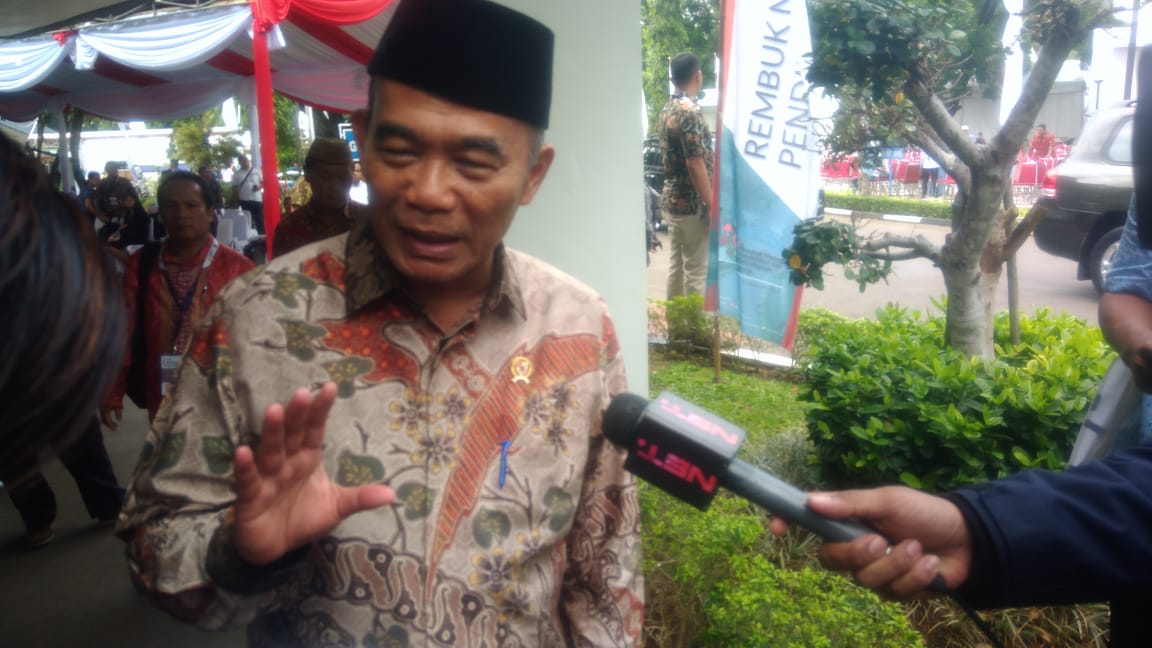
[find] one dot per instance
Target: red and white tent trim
(174, 63)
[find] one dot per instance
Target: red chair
(910, 173)
(1026, 174)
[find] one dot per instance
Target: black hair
(683, 67)
(185, 176)
(63, 323)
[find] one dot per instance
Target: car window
(1120, 150)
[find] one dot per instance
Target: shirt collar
(369, 275)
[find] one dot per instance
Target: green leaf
(417, 500)
(171, 446)
(561, 506)
(488, 525)
(218, 453)
(358, 470)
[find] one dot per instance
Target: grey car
(1087, 200)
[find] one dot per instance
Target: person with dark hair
(125, 220)
(1042, 144)
(181, 278)
(63, 329)
(328, 170)
(358, 192)
(248, 192)
(88, 197)
(929, 174)
(687, 144)
(452, 400)
(173, 166)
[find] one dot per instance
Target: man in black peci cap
(437, 475)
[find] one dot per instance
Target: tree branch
(1008, 141)
(1023, 230)
(916, 247)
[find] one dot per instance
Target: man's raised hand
(284, 497)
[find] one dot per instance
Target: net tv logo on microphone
(683, 449)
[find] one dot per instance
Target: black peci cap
(471, 52)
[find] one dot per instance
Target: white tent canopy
(173, 63)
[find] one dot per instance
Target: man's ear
(538, 172)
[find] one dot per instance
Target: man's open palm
(284, 498)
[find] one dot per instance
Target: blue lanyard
(184, 304)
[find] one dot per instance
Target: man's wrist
(232, 573)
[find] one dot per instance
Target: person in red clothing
(191, 268)
(1042, 144)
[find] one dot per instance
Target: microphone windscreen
(622, 418)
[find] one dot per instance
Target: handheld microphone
(688, 452)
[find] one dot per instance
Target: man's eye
(396, 151)
(476, 164)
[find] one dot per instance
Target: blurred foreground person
(63, 332)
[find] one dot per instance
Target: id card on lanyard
(183, 305)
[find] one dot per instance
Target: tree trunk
(971, 260)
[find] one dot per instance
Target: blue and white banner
(767, 165)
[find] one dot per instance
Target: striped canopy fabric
(171, 62)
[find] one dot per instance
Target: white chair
(224, 230)
(242, 227)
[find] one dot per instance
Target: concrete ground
(76, 592)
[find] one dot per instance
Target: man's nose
(430, 186)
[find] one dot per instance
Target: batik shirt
(683, 134)
(307, 225)
(515, 523)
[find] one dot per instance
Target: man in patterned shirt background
(452, 396)
(687, 144)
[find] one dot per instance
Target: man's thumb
(363, 498)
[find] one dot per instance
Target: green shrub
(689, 327)
(711, 582)
(890, 403)
(686, 329)
(941, 209)
(813, 325)
(720, 579)
(770, 606)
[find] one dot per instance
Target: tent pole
(64, 164)
(254, 137)
(266, 122)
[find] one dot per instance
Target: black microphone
(688, 452)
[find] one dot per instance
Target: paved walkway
(75, 591)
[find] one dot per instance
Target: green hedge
(719, 578)
(941, 209)
(710, 581)
(890, 403)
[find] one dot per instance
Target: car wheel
(1100, 262)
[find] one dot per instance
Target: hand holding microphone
(689, 452)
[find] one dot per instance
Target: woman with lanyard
(180, 281)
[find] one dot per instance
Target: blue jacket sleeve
(1080, 536)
